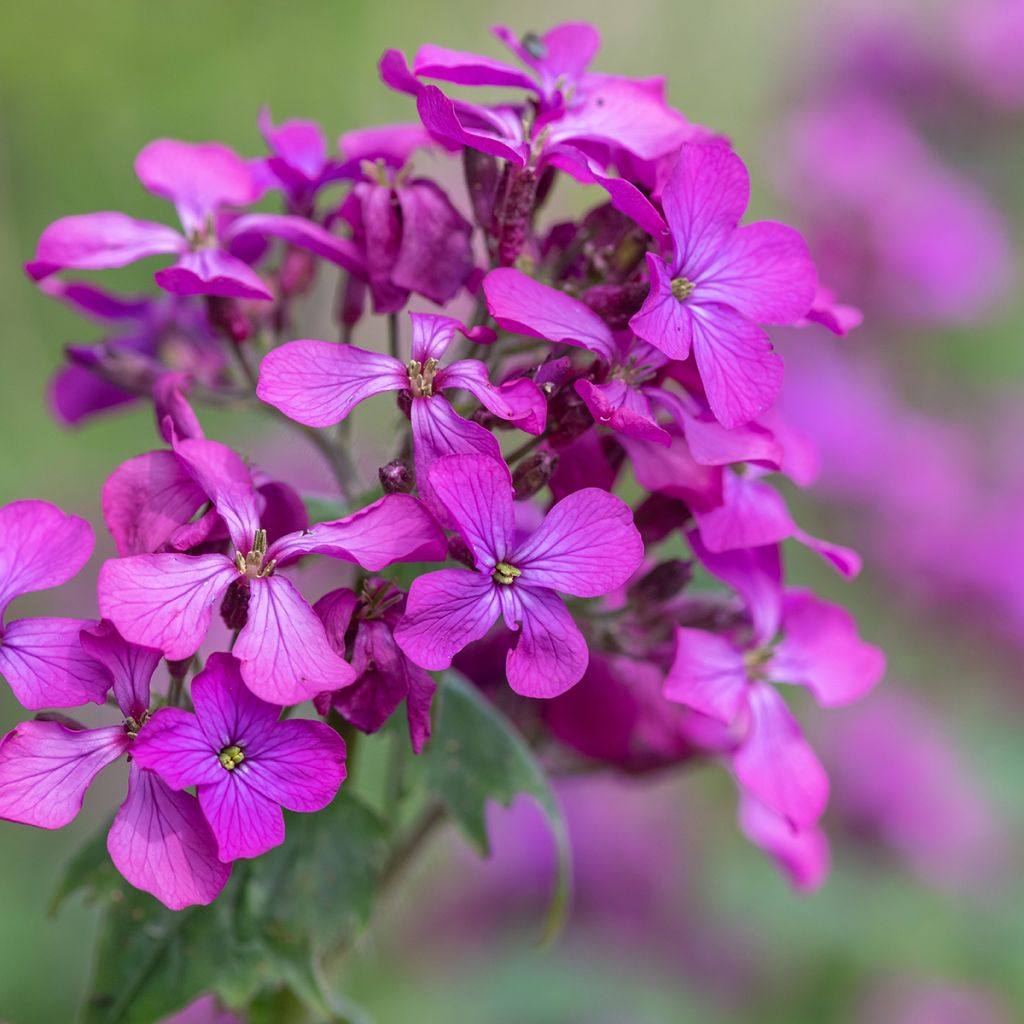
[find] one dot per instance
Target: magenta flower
(801, 853)
(319, 383)
(384, 675)
(166, 601)
(203, 181)
(586, 546)
(722, 281)
(820, 650)
(159, 840)
(245, 763)
(41, 659)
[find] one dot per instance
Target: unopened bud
(397, 477)
(615, 304)
(297, 272)
(533, 473)
(234, 609)
(179, 669)
(571, 416)
(227, 319)
(664, 581)
(459, 550)
(482, 178)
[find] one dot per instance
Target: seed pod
(533, 474)
(234, 609)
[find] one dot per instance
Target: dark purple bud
(513, 213)
(459, 550)
(234, 609)
(664, 581)
(616, 303)
(571, 418)
(353, 302)
(659, 516)
(533, 473)
(397, 477)
(297, 272)
(404, 402)
(485, 418)
(227, 319)
(482, 179)
(179, 669)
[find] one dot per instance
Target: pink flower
(319, 383)
(384, 675)
(245, 763)
(722, 281)
(159, 840)
(730, 683)
(586, 546)
(41, 659)
(166, 601)
(202, 180)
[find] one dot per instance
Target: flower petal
(100, 241)
(446, 611)
(624, 409)
(319, 383)
(173, 744)
(461, 68)
(161, 843)
(45, 769)
(283, 648)
(752, 514)
(164, 601)
(46, 667)
(586, 546)
(519, 303)
(777, 764)
(228, 711)
(441, 117)
(550, 654)
(212, 272)
(302, 233)
(663, 321)
(803, 854)
(244, 822)
(707, 675)
(42, 547)
(477, 492)
(300, 765)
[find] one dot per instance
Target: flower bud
(664, 581)
(533, 473)
(571, 418)
(397, 477)
(615, 304)
(459, 550)
(227, 319)
(513, 213)
(482, 178)
(234, 609)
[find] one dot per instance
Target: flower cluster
(581, 499)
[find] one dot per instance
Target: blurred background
(891, 134)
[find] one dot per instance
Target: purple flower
(319, 383)
(245, 763)
(722, 281)
(41, 659)
(202, 180)
(384, 675)
(159, 840)
(586, 546)
(730, 683)
(166, 601)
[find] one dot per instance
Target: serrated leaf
(475, 755)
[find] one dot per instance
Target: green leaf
(475, 755)
(267, 930)
(89, 870)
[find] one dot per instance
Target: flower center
(682, 288)
(506, 574)
(251, 565)
(421, 377)
(231, 757)
(756, 661)
(133, 726)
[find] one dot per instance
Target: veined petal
(100, 241)
(624, 409)
(446, 611)
(741, 373)
(439, 431)
(244, 822)
(319, 383)
(441, 117)
(752, 514)
(173, 745)
(519, 401)
(228, 711)
(164, 601)
(432, 335)
(146, 499)
(199, 178)
(225, 479)
(46, 667)
(820, 649)
(45, 769)
(212, 272)
(161, 843)
(519, 303)
(395, 528)
(586, 546)
(663, 321)
(42, 547)
(302, 233)
(707, 675)
(477, 492)
(675, 472)
(704, 198)
(550, 654)
(283, 648)
(461, 68)
(777, 764)
(300, 765)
